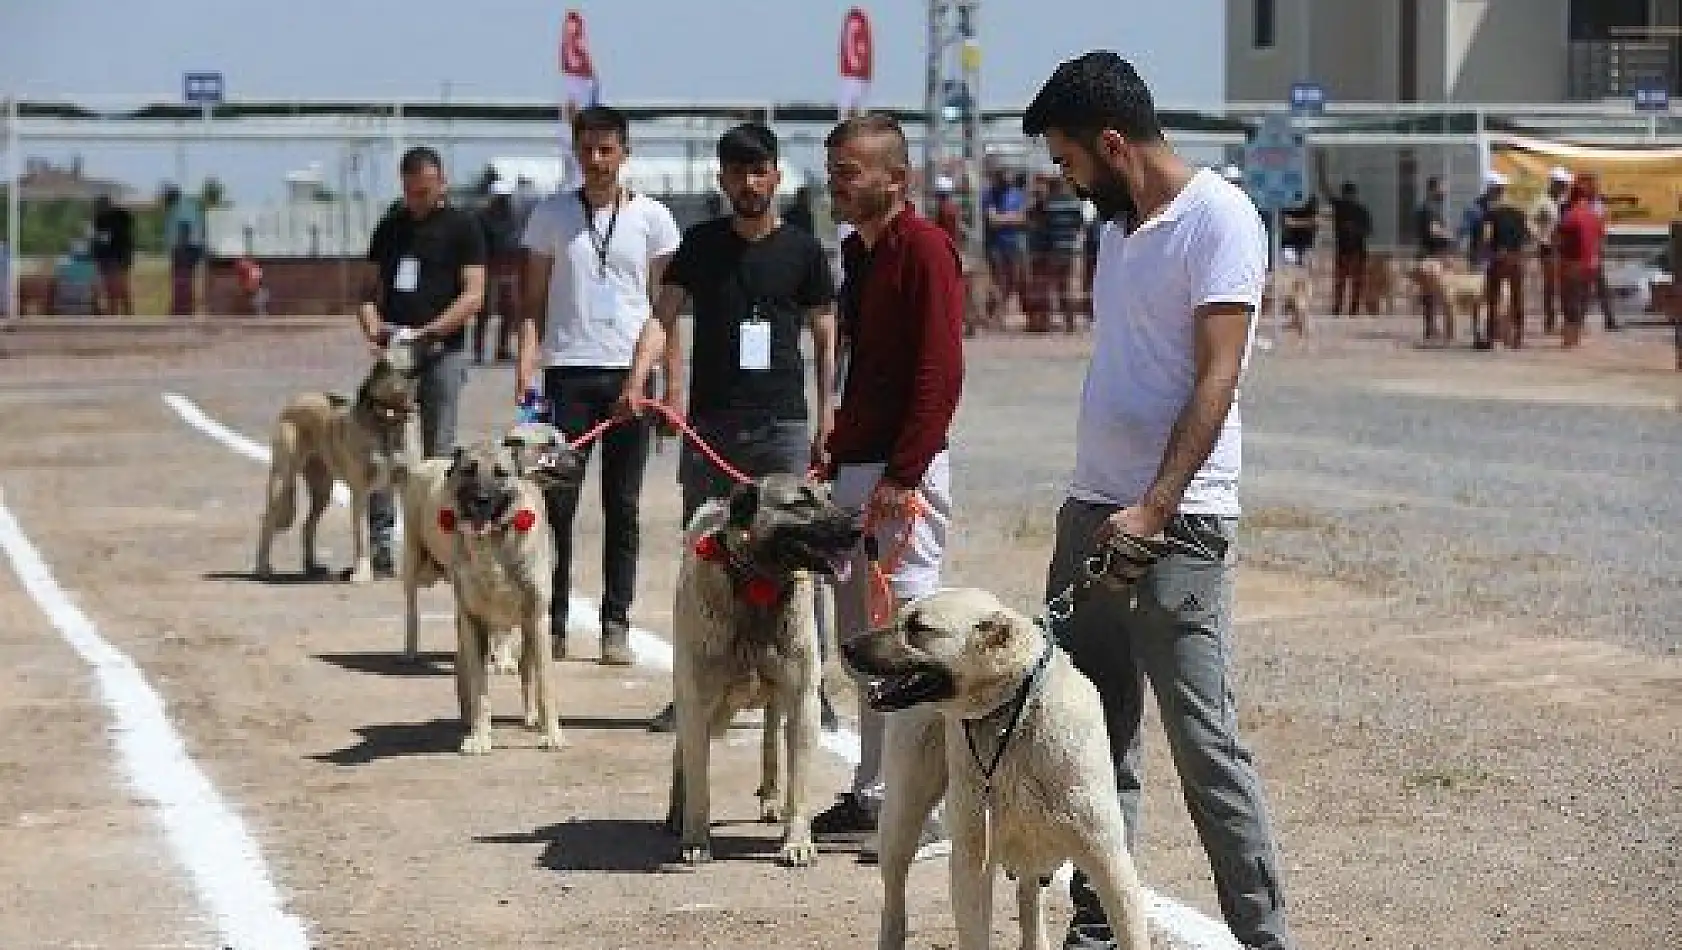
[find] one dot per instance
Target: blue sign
(1308, 97)
(1652, 97)
(1276, 165)
(205, 88)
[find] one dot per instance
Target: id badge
(604, 301)
(753, 351)
(407, 277)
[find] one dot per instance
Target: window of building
(1262, 31)
(1599, 20)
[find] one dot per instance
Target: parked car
(1631, 282)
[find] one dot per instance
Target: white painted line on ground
(1189, 927)
(207, 837)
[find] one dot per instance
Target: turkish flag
(857, 57)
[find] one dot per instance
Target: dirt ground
(1414, 769)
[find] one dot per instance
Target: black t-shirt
(1431, 244)
(728, 278)
(439, 246)
(1507, 228)
(113, 236)
(1351, 225)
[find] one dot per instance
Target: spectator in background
(948, 213)
(799, 213)
(1065, 225)
(253, 294)
(1506, 232)
(184, 257)
(1005, 212)
(1597, 202)
(502, 273)
(1435, 243)
(1544, 219)
(1578, 240)
(1351, 228)
(113, 254)
(1036, 295)
(1299, 226)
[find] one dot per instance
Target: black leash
(1017, 704)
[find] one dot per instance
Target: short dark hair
(418, 159)
(873, 124)
(1090, 93)
(602, 119)
(747, 144)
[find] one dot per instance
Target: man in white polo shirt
(595, 254)
(1180, 273)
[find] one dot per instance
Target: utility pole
(952, 107)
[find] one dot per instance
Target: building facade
(1469, 51)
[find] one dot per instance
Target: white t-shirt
(1207, 246)
(595, 314)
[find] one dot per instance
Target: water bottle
(530, 408)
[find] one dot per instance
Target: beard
(1110, 196)
(750, 206)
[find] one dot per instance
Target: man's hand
(625, 407)
(1136, 520)
(889, 502)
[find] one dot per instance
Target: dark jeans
(1178, 635)
(579, 398)
(437, 394)
(753, 442)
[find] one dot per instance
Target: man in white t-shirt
(1180, 272)
(595, 254)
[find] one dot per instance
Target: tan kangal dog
(1026, 771)
(367, 443)
(744, 636)
(501, 564)
(1293, 285)
(1452, 288)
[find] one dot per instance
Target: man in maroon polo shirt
(902, 319)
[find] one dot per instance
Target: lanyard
(602, 242)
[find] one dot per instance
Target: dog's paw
(797, 854)
(361, 574)
(476, 743)
(552, 739)
(770, 809)
(694, 854)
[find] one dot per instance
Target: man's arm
(658, 337)
(824, 345)
(368, 313)
(1222, 330)
(462, 309)
(671, 349)
(935, 307)
(534, 304)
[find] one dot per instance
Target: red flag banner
(857, 59)
(578, 74)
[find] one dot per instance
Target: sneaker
(665, 720)
(932, 843)
(848, 816)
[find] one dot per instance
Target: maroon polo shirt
(902, 305)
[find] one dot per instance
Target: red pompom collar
(524, 520)
(752, 588)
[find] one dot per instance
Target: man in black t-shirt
(755, 283)
(429, 263)
(1505, 234)
(1351, 227)
(113, 254)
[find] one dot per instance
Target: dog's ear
(994, 631)
(744, 504)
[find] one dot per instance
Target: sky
(118, 53)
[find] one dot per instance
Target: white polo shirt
(598, 287)
(1207, 246)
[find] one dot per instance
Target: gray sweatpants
(438, 393)
(1178, 635)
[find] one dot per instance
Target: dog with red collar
(744, 637)
(478, 518)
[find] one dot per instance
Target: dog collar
(751, 586)
(524, 520)
(1015, 706)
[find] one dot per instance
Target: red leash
(677, 422)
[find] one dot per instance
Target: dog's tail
(283, 478)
